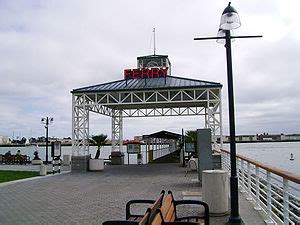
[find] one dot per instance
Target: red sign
(145, 73)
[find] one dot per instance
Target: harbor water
(275, 154)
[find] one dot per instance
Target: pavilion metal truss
(197, 101)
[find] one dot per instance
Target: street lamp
(230, 20)
(47, 121)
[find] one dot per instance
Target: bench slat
(144, 220)
(170, 216)
(168, 211)
(154, 205)
(157, 220)
(135, 218)
(166, 205)
(157, 204)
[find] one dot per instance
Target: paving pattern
(94, 197)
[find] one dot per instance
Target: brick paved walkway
(93, 197)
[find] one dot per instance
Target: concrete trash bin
(66, 160)
(43, 170)
(139, 159)
(215, 190)
(117, 158)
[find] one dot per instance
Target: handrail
(288, 175)
(159, 149)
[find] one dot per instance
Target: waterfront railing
(273, 191)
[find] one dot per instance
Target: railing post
(223, 160)
(243, 189)
(257, 188)
(228, 163)
(269, 200)
(285, 202)
(249, 198)
(146, 152)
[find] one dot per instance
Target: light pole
(47, 121)
(230, 20)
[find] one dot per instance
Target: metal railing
(275, 192)
(162, 151)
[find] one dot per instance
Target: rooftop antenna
(154, 47)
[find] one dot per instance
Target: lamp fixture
(230, 18)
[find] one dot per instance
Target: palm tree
(100, 141)
(191, 137)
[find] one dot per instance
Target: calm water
(274, 154)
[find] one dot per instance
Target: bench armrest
(120, 222)
(137, 201)
(195, 202)
(191, 202)
(180, 223)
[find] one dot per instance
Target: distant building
(4, 140)
(245, 138)
(292, 137)
(138, 138)
(269, 137)
(239, 138)
(66, 141)
(262, 137)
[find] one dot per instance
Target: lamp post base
(235, 220)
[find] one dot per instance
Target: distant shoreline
(262, 141)
(39, 145)
(225, 142)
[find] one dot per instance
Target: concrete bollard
(215, 190)
(43, 170)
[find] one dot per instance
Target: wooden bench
(142, 219)
(168, 214)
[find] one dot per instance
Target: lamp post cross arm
(231, 37)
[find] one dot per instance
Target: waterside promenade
(94, 197)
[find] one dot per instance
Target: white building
(4, 140)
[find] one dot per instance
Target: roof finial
(154, 47)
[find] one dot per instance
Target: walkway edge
(31, 178)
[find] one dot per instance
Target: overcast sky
(48, 48)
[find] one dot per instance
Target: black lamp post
(229, 21)
(47, 121)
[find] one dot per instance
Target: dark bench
(142, 219)
(168, 213)
(15, 159)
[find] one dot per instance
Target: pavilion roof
(163, 134)
(170, 82)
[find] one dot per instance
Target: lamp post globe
(230, 18)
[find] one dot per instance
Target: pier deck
(93, 197)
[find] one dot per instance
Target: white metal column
(205, 119)
(117, 130)
(80, 126)
(214, 118)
